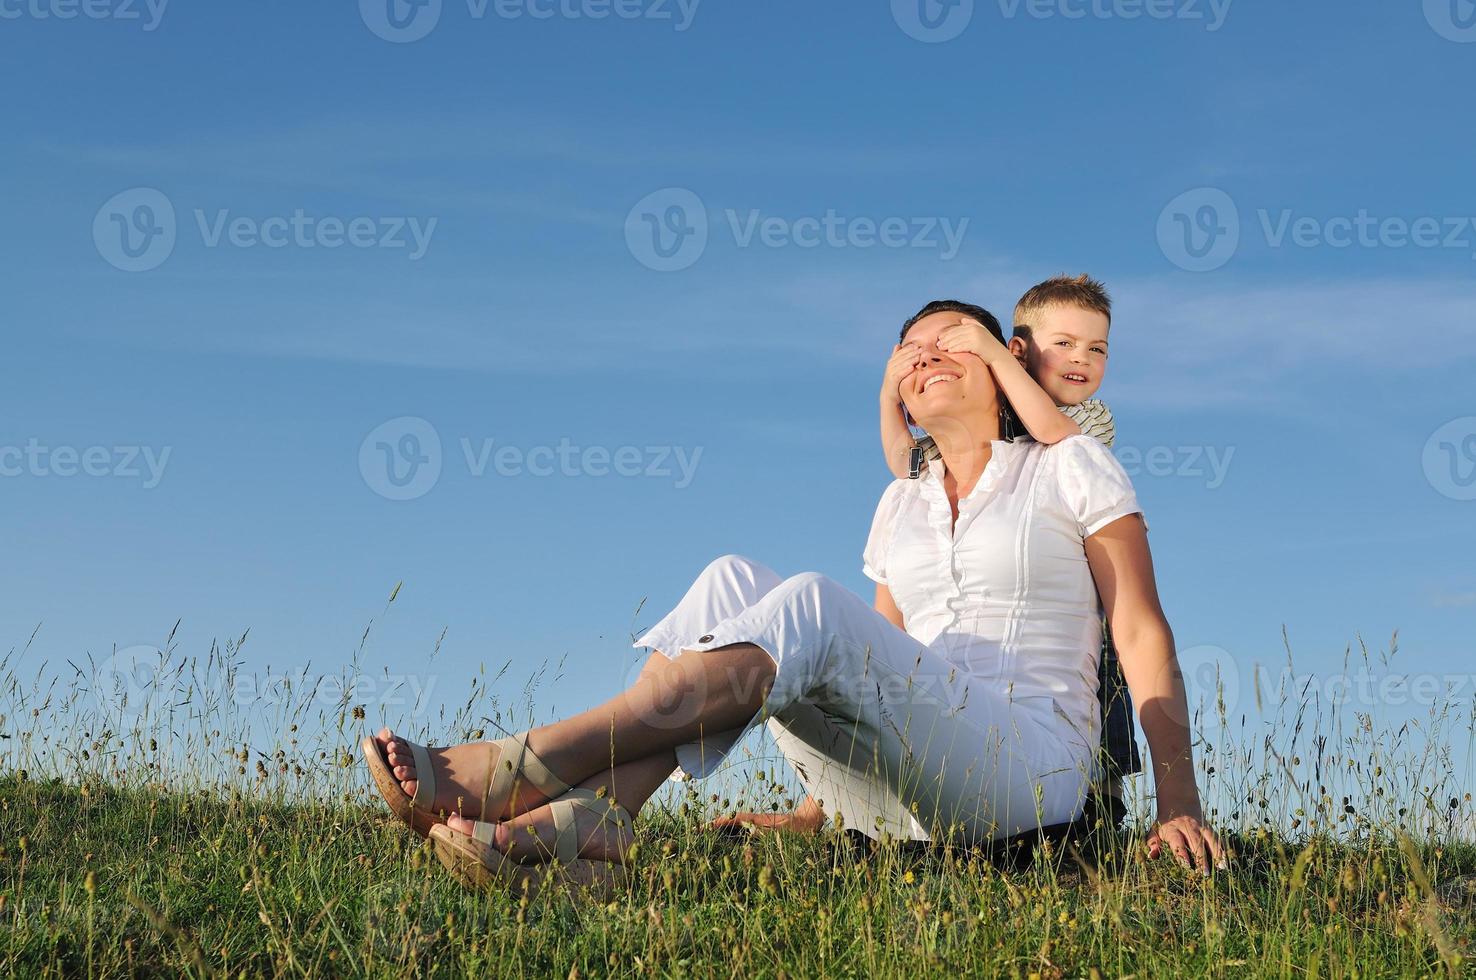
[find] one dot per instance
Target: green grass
(185, 833)
(101, 881)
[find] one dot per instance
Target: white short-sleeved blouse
(1007, 593)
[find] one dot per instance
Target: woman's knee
(744, 577)
(731, 565)
(814, 590)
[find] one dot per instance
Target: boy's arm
(896, 437)
(1039, 414)
(1042, 419)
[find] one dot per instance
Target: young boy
(1054, 364)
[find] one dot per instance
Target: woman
(963, 704)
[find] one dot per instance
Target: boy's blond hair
(1081, 291)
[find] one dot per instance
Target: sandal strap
(517, 763)
(425, 778)
(484, 832)
(566, 835)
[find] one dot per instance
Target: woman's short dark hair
(955, 306)
(1010, 426)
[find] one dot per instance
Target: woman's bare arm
(1122, 566)
(887, 606)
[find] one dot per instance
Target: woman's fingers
(1217, 849)
(1197, 847)
(1170, 835)
(1194, 845)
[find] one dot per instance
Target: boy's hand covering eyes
(901, 365)
(970, 337)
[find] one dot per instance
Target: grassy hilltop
(212, 839)
(100, 881)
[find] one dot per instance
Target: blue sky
(1278, 195)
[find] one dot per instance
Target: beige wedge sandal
(513, 765)
(475, 862)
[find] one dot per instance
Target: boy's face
(1066, 353)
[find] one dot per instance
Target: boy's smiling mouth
(1076, 379)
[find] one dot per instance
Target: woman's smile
(941, 376)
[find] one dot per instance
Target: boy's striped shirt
(1092, 416)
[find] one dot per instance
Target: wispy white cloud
(390, 153)
(1176, 343)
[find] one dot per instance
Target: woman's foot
(462, 774)
(476, 866)
(530, 837)
(808, 818)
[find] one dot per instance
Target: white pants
(883, 731)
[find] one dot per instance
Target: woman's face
(944, 385)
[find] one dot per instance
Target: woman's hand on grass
(1192, 843)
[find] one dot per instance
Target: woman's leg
(531, 836)
(677, 702)
(726, 587)
(627, 744)
(964, 760)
